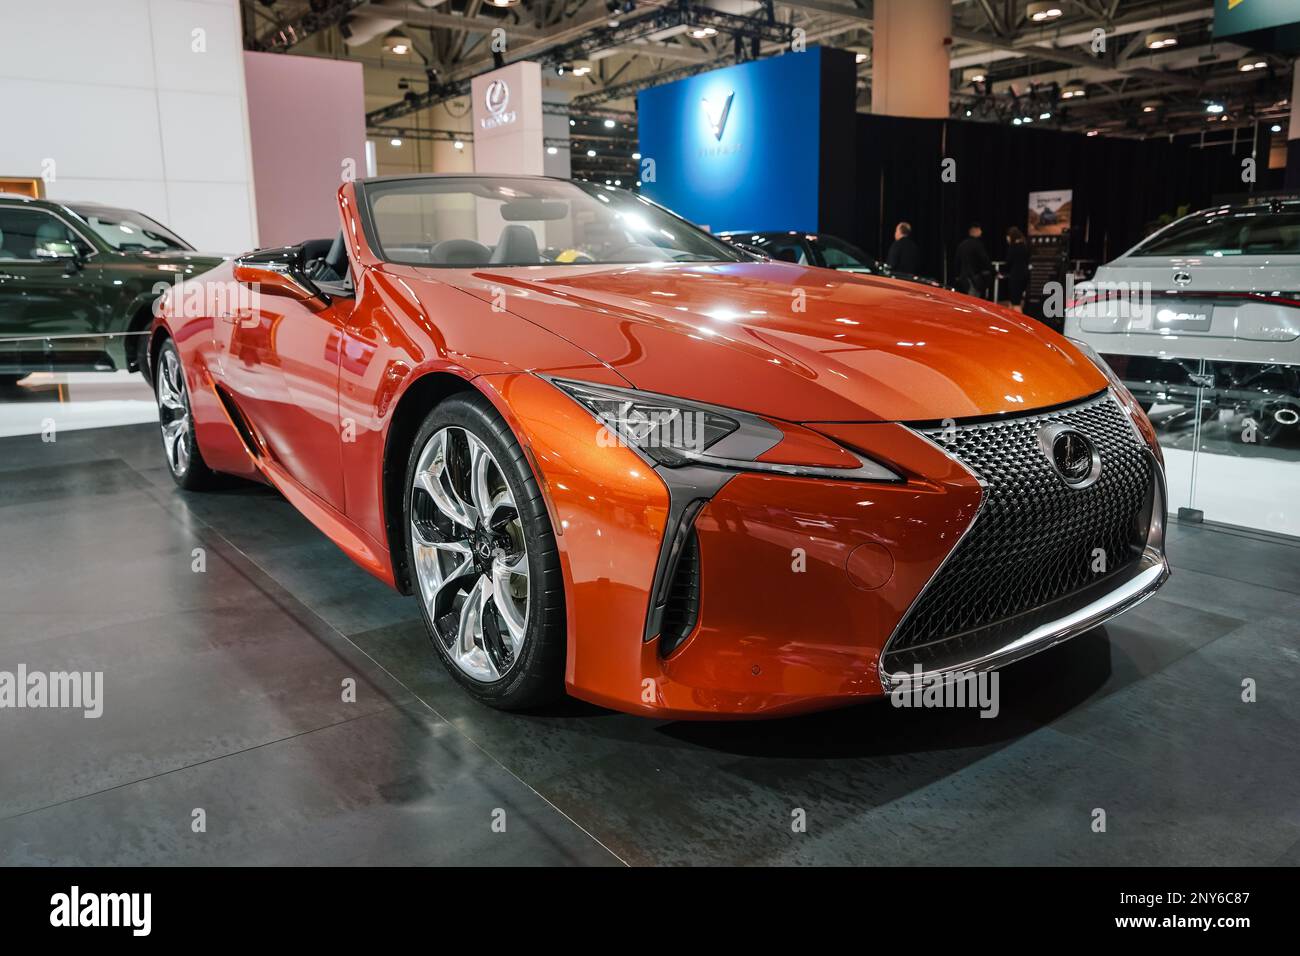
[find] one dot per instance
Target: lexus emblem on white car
(1182, 278)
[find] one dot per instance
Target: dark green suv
(78, 282)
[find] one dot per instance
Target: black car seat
(47, 232)
(459, 252)
(517, 247)
(327, 259)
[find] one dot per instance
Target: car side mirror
(279, 272)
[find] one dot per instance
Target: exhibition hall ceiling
(1123, 67)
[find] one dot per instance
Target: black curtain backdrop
(1121, 186)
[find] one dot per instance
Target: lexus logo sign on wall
(496, 98)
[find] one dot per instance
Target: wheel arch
(140, 315)
(417, 400)
(156, 338)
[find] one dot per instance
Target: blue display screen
(737, 148)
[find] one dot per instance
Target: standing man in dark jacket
(904, 254)
(974, 267)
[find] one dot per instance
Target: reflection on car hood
(793, 342)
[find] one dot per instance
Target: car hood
(792, 342)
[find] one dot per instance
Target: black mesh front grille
(1034, 540)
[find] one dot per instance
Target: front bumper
(801, 582)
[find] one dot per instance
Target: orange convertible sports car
(612, 455)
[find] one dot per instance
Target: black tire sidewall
(537, 675)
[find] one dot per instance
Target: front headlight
(674, 432)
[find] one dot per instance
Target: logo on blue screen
(737, 148)
(717, 113)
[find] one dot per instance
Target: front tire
(180, 446)
(483, 557)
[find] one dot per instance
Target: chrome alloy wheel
(470, 558)
(174, 413)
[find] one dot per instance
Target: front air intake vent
(682, 609)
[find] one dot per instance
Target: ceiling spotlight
(1074, 91)
(551, 150)
(1150, 106)
(1250, 63)
(1017, 121)
(969, 113)
(1214, 108)
(573, 122)
(636, 155)
(581, 67)
(703, 33)
(1044, 115)
(394, 142)
(591, 153)
(638, 182)
(1042, 12)
(608, 183)
(1094, 132)
(618, 182)
(860, 58)
(1161, 39)
(1276, 128)
(609, 124)
(975, 74)
(397, 43)
(502, 3)
(458, 145)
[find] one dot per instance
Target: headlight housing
(1141, 424)
(674, 432)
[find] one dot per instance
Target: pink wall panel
(306, 119)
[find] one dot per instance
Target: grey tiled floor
(223, 693)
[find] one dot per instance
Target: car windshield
(128, 231)
(469, 221)
(1253, 232)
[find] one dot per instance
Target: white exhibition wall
(137, 103)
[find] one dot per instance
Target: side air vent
(682, 609)
(237, 419)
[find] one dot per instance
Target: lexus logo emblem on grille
(1182, 278)
(1071, 453)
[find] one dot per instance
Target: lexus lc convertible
(610, 455)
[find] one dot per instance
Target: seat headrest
(517, 246)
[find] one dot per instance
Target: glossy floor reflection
(66, 401)
(223, 693)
